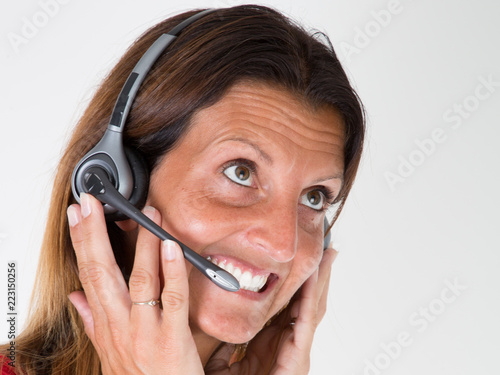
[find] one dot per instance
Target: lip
(272, 277)
(244, 266)
(256, 296)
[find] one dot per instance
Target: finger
(322, 303)
(176, 336)
(325, 266)
(324, 280)
(306, 308)
(79, 300)
(175, 294)
(144, 283)
(266, 346)
(99, 268)
(127, 225)
(77, 239)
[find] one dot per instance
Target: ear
(126, 225)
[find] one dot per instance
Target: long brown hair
(241, 43)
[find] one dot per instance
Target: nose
(275, 232)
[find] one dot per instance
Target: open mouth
(248, 281)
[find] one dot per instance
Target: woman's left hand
(282, 348)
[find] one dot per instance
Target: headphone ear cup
(140, 174)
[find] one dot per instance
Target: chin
(229, 317)
(230, 328)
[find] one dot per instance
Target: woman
(250, 130)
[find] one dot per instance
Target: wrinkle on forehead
(271, 110)
(263, 97)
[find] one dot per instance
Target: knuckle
(141, 280)
(167, 345)
(92, 273)
(172, 300)
(77, 243)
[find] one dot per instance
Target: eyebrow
(264, 155)
(337, 176)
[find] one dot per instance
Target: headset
(118, 176)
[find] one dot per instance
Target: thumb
(79, 300)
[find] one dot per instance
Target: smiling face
(247, 186)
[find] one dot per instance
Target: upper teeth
(246, 279)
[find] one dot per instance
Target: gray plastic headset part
(109, 153)
(110, 156)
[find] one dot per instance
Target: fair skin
(249, 193)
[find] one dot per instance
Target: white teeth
(246, 279)
(237, 273)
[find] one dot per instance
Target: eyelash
(241, 162)
(327, 193)
(329, 197)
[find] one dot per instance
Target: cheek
(194, 218)
(305, 266)
(307, 259)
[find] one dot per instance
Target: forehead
(272, 116)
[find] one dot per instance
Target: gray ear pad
(140, 173)
(328, 237)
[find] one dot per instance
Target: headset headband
(141, 69)
(109, 151)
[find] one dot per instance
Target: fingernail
(70, 300)
(85, 203)
(72, 216)
(333, 256)
(149, 212)
(169, 251)
(335, 246)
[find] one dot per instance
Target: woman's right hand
(132, 339)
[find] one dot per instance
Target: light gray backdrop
(415, 287)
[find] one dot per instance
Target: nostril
(276, 243)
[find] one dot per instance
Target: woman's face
(246, 186)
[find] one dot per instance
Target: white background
(400, 247)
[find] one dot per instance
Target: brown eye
(239, 174)
(314, 199)
(242, 173)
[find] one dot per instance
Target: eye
(314, 199)
(240, 172)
